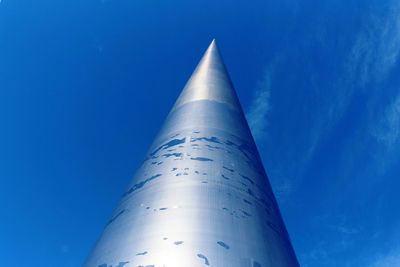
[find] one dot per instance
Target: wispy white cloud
(257, 117)
(258, 111)
(371, 59)
(377, 47)
(387, 129)
(374, 53)
(283, 188)
(342, 237)
(391, 259)
(282, 185)
(65, 249)
(386, 254)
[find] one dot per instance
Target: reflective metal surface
(209, 81)
(201, 196)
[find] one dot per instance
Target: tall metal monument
(201, 196)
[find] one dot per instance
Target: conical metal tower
(201, 196)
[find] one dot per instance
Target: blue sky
(86, 85)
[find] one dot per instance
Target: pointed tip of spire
(212, 49)
(209, 81)
(213, 43)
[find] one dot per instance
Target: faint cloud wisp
(257, 114)
(389, 260)
(387, 130)
(377, 48)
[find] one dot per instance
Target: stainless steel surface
(201, 196)
(209, 81)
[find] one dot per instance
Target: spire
(209, 81)
(201, 196)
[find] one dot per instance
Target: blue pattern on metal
(222, 244)
(201, 256)
(201, 188)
